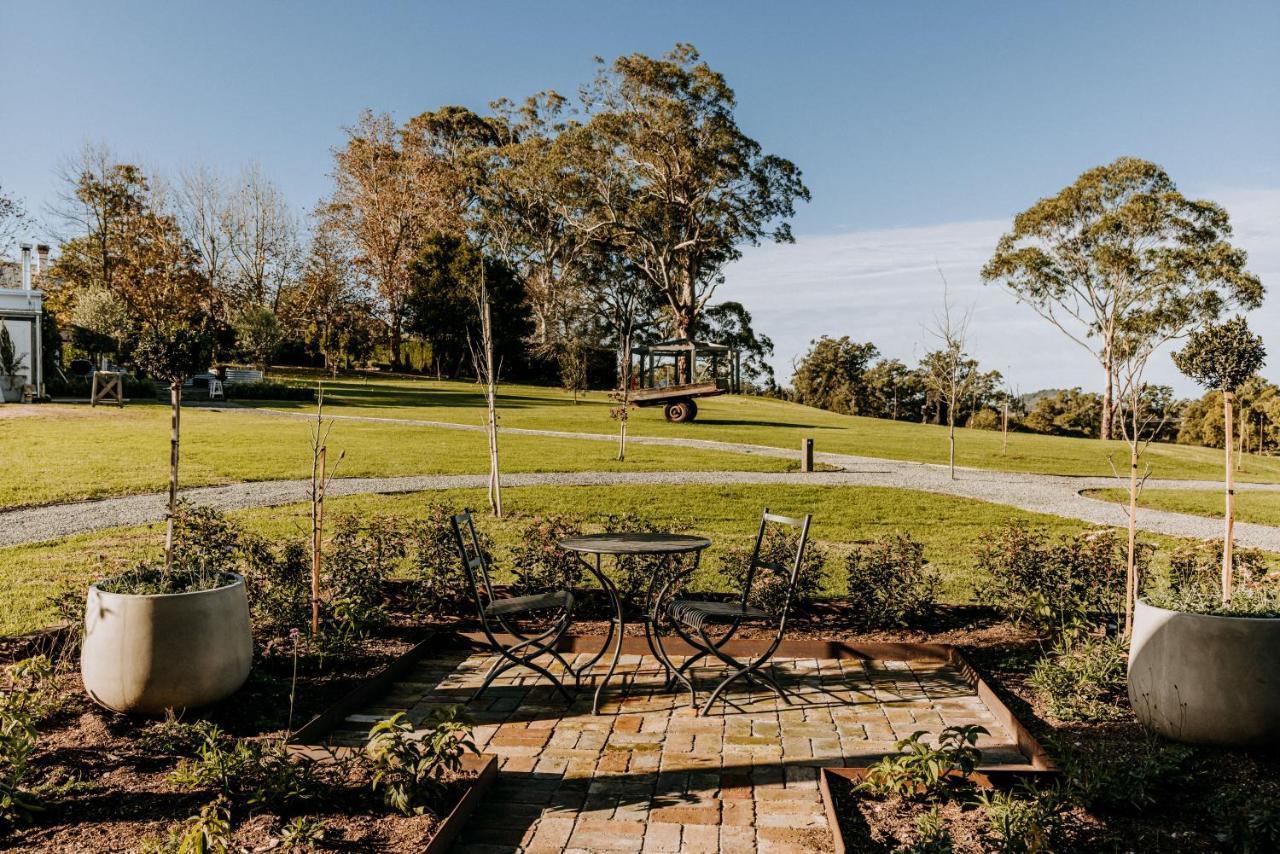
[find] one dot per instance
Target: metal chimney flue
(26, 266)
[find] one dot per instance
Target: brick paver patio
(648, 775)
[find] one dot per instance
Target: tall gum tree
(1120, 252)
(694, 188)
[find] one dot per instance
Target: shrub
(768, 589)
(1025, 821)
(173, 737)
(30, 689)
(1058, 587)
(439, 582)
(17, 743)
(1081, 682)
(1122, 776)
(537, 560)
(254, 774)
(410, 771)
(1249, 819)
(920, 770)
(985, 419)
(268, 390)
(888, 582)
(363, 554)
(1195, 566)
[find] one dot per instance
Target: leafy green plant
(303, 833)
(1061, 588)
(1122, 776)
(1082, 681)
(410, 771)
(17, 742)
(1024, 821)
(1249, 820)
(31, 689)
(255, 774)
(920, 770)
(174, 737)
(537, 560)
(208, 832)
(768, 588)
(932, 835)
(888, 582)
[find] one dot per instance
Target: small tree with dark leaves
(172, 351)
(1223, 356)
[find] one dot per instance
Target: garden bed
(107, 779)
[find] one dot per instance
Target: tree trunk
(395, 339)
(175, 426)
(1229, 533)
(1108, 406)
(951, 440)
(317, 527)
(491, 398)
(1004, 429)
(1131, 562)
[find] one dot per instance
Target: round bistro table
(619, 546)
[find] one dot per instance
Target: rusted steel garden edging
(380, 683)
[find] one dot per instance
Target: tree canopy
(1121, 254)
(1222, 356)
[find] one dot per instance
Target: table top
(634, 544)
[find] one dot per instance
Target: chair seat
(535, 602)
(696, 614)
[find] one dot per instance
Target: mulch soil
(106, 792)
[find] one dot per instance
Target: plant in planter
(10, 364)
(1202, 667)
(174, 636)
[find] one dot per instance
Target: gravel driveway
(1039, 493)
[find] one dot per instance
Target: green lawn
(72, 452)
(772, 422)
(948, 527)
(1251, 505)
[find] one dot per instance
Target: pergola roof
(679, 346)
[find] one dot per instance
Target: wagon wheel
(680, 411)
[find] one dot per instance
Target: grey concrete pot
(145, 654)
(1205, 679)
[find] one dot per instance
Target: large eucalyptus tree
(1121, 254)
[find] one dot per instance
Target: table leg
(616, 625)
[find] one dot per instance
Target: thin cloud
(880, 286)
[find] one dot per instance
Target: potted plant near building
(1202, 663)
(176, 635)
(11, 362)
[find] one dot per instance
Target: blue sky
(921, 127)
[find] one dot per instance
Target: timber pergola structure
(674, 385)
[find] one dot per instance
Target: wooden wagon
(674, 374)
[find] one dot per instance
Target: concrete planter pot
(145, 654)
(1205, 679)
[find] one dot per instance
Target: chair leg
(751, 672)
(537, 647)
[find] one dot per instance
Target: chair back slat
(790, 568)
(474, 563)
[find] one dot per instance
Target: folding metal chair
(492, 610)
(694, 620)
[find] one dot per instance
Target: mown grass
(948, 527)
(67, 453)
(770, 422)
(1262, 507)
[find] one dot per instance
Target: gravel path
(1039, 493)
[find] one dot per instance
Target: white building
(20, 306)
